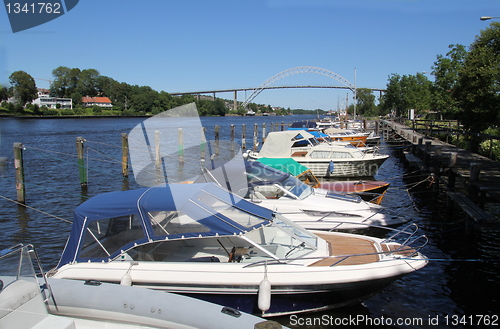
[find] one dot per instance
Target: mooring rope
(43, 212)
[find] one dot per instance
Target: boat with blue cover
(202, 241)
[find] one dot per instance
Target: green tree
(407, 92)
(478, 86)
(445, 71)
(87, 82)
(76, 98)
(61, 81)
(4, 93)
(24, 87)
(365, 103)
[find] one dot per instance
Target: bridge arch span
(298, 70)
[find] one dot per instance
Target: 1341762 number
(34, 8)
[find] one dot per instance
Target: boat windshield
(283, 239)
(296, 187)
(262, 174)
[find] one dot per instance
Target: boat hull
(343, 168)
(371, 191)
(295, 288)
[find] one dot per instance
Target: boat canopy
(239, 176)
(285, 164)
(109, 224)
(289, 165)
(279, 143)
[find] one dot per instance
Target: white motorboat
(317, 209)
(30, 302)
(202, 241)
(324, 160)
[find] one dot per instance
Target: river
(459, 287)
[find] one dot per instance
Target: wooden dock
(481, 175)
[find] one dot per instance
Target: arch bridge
(271, 84)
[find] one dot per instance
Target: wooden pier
(480, 175)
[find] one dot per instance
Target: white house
(99, 101)
(51, 102)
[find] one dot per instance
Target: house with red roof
(99, 101)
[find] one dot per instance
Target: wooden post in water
(282, 125)
(180, 134)
(255, 134)
(125, 154)
(243, 141)
(232, 137)
(263, 132)
(217, 140)
(81, 162)
(18, 165)
(202, 144)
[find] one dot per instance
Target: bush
(67, 112)
(48, 111)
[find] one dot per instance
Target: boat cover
(217, 211)
(279, 143)
(285, 164)
(238, 176)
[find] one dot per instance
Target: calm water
(460, 284)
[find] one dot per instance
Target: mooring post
(475, 170)
(453, 159)
(263, 132)
(232, 136)
(180, 134)
(81, 162)
(282, 125)
(243, 141)
(217, 140)
(255, 134)
(377, 124)
(202, 144)
(18, 165)
(125, 154)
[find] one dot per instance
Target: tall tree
(60, 84)
(87, 83)
(365, 102)
(24, 87)
(407, 92)
(478, 87)
(445, 71)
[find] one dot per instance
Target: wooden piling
(217, 128)
(232, 137)
(125, 154)
(180, 134)
(202, 144)
(18, 165)
(81, 162)
(243, 141)
(255, 134)
(263, 132)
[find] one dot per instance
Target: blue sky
(189, 45)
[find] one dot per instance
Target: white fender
(126, 280)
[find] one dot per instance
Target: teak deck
(340, 245)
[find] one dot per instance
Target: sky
(196, 45)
